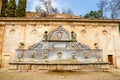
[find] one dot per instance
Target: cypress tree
(21, 10)
(11, 9)
(4, 6)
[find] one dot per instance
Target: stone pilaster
(0, 6)
(1, 41)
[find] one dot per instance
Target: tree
(111, 6)
(4, 6)
(21, 10)
(42, 13)
(94, 14)
(39, 9)
(49, 9)
(11, 8)
(48, 6)
(102, 4)
(67, 11)
(114, 8)
(55, 10)
(63, 11)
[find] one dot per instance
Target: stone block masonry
(102, 34)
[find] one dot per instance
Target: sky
(79, 7)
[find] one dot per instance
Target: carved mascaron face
(59, 54)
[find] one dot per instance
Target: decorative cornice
(3, 19)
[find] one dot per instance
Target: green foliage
(11, 8)
(21, 10)
(94, 14)
(4, 6)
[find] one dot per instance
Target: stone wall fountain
(58, 50)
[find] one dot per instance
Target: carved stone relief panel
(59, 34)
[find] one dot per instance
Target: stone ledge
(58, 67)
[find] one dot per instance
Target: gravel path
(112, 75)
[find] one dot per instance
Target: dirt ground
(113, 74)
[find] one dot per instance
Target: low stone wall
(45, 67)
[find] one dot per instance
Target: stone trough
(59, 66)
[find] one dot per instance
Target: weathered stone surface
(0, 6)
(2, 27)
(89, 32)
(24, 67)
(58, 67)
(13, 67)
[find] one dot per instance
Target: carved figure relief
(59, 34)
(96, 45)
(73, 36)
(21, 45)
(73, 55)
(32, 55)
(20, 55)
(45, 55)
(45, 36)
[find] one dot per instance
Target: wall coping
(16, 19)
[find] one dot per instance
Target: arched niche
(34, 31)
(12, 31)
(104, 32)
(83, 31)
